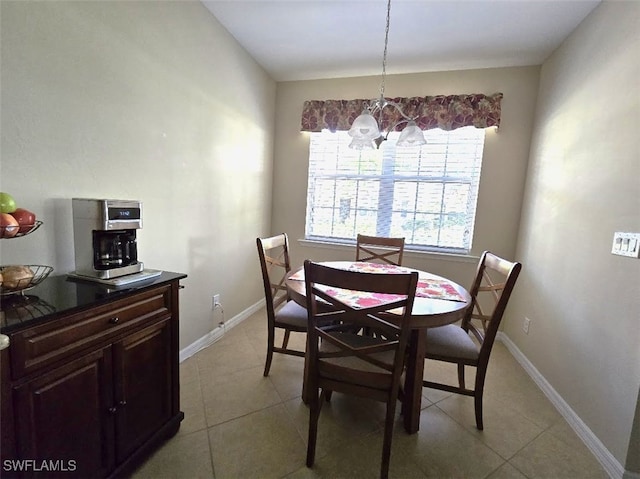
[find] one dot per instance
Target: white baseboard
(218, 333)
(602, 454)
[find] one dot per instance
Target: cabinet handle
(180, 286)
(114, 320)
(112, 410)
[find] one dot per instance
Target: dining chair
(282, 313)
(379, 249)
(340, 302)
(494, 281)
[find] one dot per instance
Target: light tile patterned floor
(239, 424)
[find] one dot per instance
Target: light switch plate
(626, 244)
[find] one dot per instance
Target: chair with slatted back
(282, 313)
(338, 360)
(494, 281)
(379, 249)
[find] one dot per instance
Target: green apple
(7, 203)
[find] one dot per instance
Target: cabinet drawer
(43, 345)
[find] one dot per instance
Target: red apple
(25, 218)
(8, 226)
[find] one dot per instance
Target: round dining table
(438, 302)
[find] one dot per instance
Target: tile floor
(239, 424)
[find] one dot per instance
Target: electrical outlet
(525, 325)
(215, 302)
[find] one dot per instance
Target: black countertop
(58, 295)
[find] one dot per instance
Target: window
(427, 195)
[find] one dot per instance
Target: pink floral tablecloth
(426, 288)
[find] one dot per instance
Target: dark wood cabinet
(62, 415)
(92, 393)
(143, 386)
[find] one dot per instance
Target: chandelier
(365, 129)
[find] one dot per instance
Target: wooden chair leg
(388, 436)
(267, 364)
(477, 396)
(314, 414)
(478, 406)
(461, 375)
(285, 340)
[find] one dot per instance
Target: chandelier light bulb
(364, 127)
(412, 135)
(361, 144)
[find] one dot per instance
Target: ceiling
(306, 39)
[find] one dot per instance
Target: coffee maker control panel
(108, 214)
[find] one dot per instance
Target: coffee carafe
(114, 249)
(104, 233)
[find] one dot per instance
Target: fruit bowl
(18, 278)
(28, 229)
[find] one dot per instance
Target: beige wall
(140, 100)
(149, 100)
(583, 184)
(503, 168)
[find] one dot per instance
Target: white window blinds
(425, 194)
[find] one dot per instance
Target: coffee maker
(104, 233)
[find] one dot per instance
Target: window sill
(451, 257)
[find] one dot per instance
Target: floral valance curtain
(447, 112)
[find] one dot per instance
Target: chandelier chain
(384, 55)
(367, 130)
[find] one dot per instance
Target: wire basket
(23, 307)
(8, 232)
(18, 278)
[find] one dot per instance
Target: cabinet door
(143, 386)
(64, 418)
